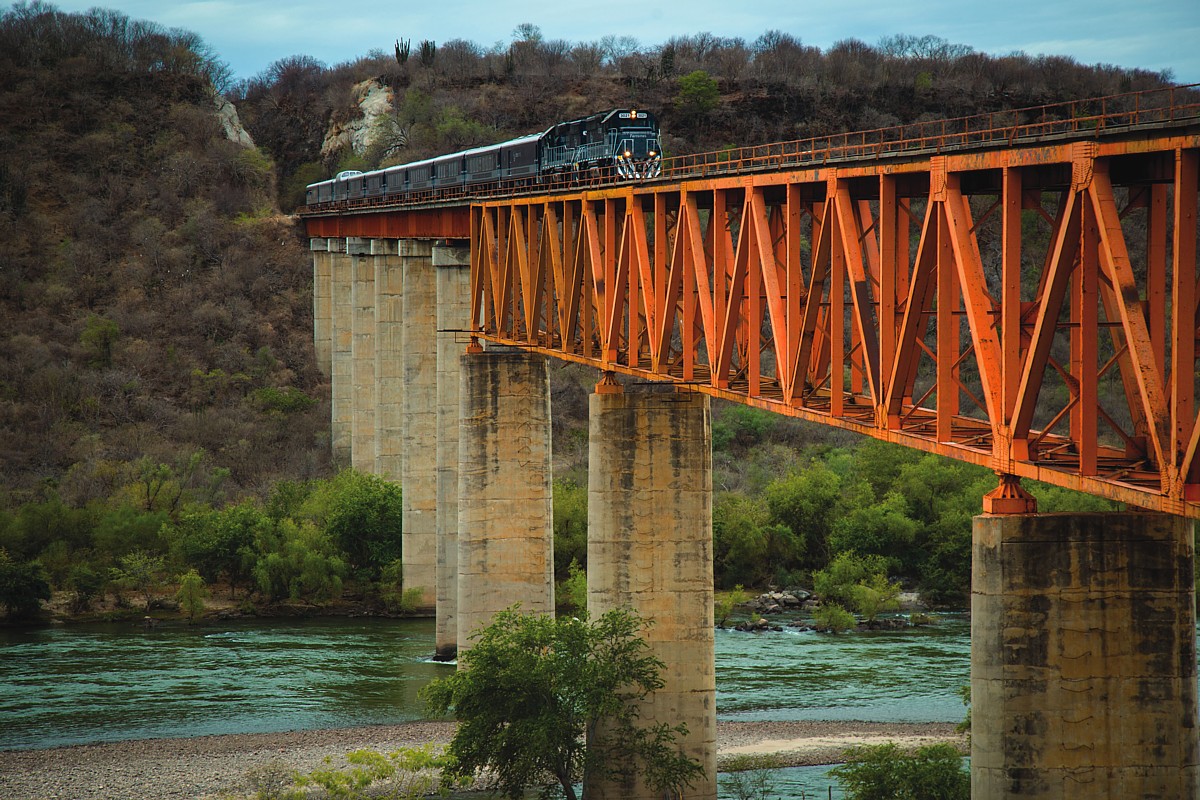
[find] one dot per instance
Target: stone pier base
(505, 522)
(1083, 658)
(650, 549)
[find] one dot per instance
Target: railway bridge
(1017, 290)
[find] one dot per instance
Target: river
(72, 684)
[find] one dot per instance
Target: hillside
(157, 363)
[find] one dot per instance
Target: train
(619, 144)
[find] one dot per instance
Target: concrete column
(389, 354)
(419, 410)
(322, 305)
(650, 549)
(453, 267)
(1083, 657)
(362, 441)
(342, 381)
(505, 520)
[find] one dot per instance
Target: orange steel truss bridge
(1016, 290)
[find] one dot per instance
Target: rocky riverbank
(205, 767)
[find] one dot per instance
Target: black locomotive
(618, 144)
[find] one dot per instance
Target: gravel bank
(179, 769)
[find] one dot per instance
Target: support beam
(362, 299)
(419, 408)
(1083, 657)
(650, 549)
(342, 382)
(505, 519)
(389, 355)
(452, 263)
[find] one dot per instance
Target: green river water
(65, 685)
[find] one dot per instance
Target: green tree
(698, 94)
(859, 582)
(808, 502)
(192, 593)
(885, 772)
(363, 516)
(141, 572)
(298, 562)
(726, 602)
(98, 337)
(545, 701)
(749, 548)
(23, 584)
(84, 583)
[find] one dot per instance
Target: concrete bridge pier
(650, 549)
(1083, 657)
(322, 304)
(505, 520)
(389, 351)
(362, 407)
(342, 362)
(419, 409)
(452, 263)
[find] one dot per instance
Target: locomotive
(621, 143)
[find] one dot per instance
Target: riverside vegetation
(161, 410)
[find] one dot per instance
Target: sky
(250, 35)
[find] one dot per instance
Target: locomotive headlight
(628, 154)
(652, 153)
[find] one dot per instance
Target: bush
(885, 772)
(833, 618)
(23, 584)
(727, 602)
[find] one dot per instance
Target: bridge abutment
(650, 549)
(505, 520)
(1083, 657)
(453, 267)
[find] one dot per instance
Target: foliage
(570, 527)
(192, 593)
(404, 774)
(964, 692)
(859, 581)
(751, 776)
(396, 598)
(84, 583)
(22, 585)
(832, 618)
(885, 772)
(727, 601)
(698, 94)
(363, 516)
(747, 545)
(272, 780)
(571, 594)
(142, 572)
(546, 700)
(298, 562)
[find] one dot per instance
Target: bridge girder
(1001, 307)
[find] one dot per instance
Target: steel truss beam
(1030, 309)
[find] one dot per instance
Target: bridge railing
(1096, 115)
